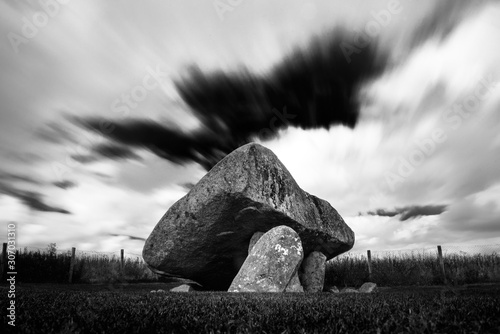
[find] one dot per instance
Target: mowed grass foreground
(414, 310)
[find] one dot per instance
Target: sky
(111, 111)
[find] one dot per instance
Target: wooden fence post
(441, 263)
(3, 275)
(369, 255)
(72, 265)
(121, 259)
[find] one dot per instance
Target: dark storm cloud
(84, 159)
(107, 150)
(33, 200)
(313, 87)
(408, 212)
(115, 152)
(130, 237)
(205, 147)
(65, 184)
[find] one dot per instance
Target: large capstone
(205, 235)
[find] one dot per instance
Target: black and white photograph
(250, 166)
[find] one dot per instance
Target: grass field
(51, 266)
(414, 269)
(131, 308)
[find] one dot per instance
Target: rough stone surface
(255, 237)
(312, 272)
(271, 264)
(205, 235)
(368, 287)
(294, 284)
(349, 290)
(182, 288)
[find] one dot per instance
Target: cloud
(12, 177)
(444, 18)
(154, 173)
(451, 49)
(187, 185)
(476, 214)
(412, 211)
(65, 184)
(55, 133)
(115, 152)
(312, 87)
(107, 150)
(130, 237)
(31, 199)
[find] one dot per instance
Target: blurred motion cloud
(313, 87)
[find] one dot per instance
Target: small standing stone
(182, 288)
(312, 272)
(368, 287)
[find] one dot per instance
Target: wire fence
(431, 251)
(81, 253)
(458, 264)
(53, 265)
(450, 264)
(448, 250)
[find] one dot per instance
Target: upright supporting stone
(294, 285)
(271, 264)
(312, 272)
(255, 237)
